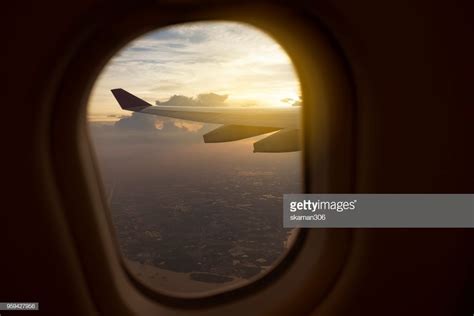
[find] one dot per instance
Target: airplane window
(196, 131)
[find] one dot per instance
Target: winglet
(128, 101)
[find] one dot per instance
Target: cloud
(298, 102)
(178, 100)
(140, 49)
(145, 123)
(176, 45)
(292, 101)
(138, 122)
(188, 33)
(159, 124)
(212, 99)
(188, 126)
(150, 123)
(203, 99)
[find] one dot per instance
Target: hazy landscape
(210, 211)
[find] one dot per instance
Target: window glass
(196, 133)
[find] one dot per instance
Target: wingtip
(128, 101)
(116, 91)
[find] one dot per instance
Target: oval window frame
(75, 171)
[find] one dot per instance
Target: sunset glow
(220, 57)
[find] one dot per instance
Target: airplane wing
(238, 122)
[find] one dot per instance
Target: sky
(224, 58)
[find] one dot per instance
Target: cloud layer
(203, 99)
(226, 58)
